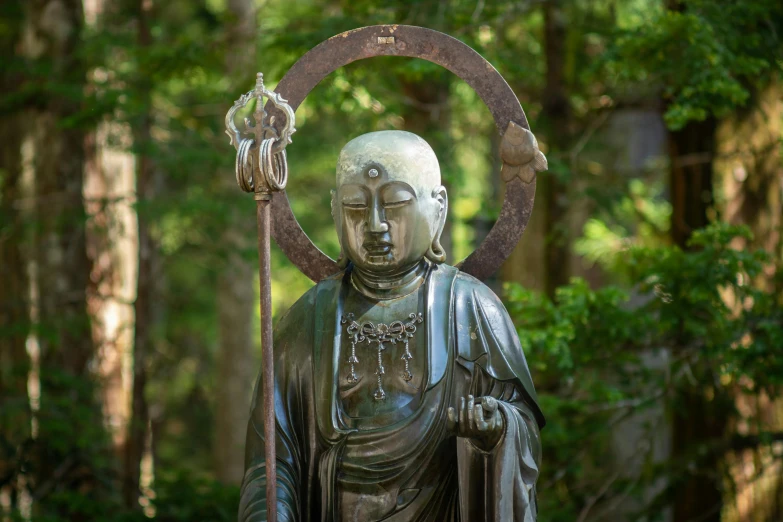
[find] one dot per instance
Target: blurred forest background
(646, 291)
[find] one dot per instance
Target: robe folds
(406, 466)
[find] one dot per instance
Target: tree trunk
(236, 294)
(557, 113)
(749, 191)
(145, 285)
(696, 418)
(59, 260)
(111, 244)
(749, 173)
(14, 316)
(691, 152)
(63, 265)
(542, 259)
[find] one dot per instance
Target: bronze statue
(397, 389)
(401, 389)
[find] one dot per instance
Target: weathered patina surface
(438, 48)
(401, 389)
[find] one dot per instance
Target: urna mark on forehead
(394, 155)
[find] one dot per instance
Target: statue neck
(391, 285)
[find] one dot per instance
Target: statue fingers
(452, 421)
(490, 406)
(469, 412)
(478, 415)
(462, 417)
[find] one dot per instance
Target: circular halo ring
(435, 47)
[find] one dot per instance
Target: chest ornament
(381, 334)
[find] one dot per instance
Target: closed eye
(355, 205)
(397, 194)
(396, 204)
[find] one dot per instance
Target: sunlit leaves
(593, 352)
(703, 58)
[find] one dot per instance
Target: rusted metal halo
(435, 47)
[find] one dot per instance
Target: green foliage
(589, 349)
(696, 312)
(704, 55)
(178, 498)
(184, 498)
(638, 217)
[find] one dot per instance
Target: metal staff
(262, 168)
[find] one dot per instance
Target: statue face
(385, 226)
(389, 207)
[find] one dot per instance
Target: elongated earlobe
(342, 261)
(436, 253)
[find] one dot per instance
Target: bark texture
(59, 264)
(14, 289)
(144, 306)
(749, 191)
(696, 418)
(749, 172)
(542, 260)
(236, 293)
(111, 245)
(691, 152)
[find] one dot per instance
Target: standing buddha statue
(401, 389)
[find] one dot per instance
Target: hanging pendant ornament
(262, 168)
(380, 334)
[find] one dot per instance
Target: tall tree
(111, 243)
(235, 291)
(717, 68)
(749, 171)
(14, 306)
(62, 264)
(701, 415)
(144, 306)
(749, 191)
(543, 259)
(63, 460)
(696, 417)
(691, 152)
(556, 114)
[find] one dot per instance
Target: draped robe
(431, 475)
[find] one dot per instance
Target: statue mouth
(377, 248)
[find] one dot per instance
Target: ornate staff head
(262, 156)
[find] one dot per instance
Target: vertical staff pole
(262, 168)
(263, 202)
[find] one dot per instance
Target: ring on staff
(244, 167)
(274, 166)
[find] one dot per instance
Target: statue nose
(377, 223)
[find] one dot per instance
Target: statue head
(389, 207)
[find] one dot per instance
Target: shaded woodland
(647, 290)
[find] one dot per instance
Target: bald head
(391, 155)
(389, 207)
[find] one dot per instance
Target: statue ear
(342, 261)
(436, 254)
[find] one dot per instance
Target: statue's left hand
(478, 419)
